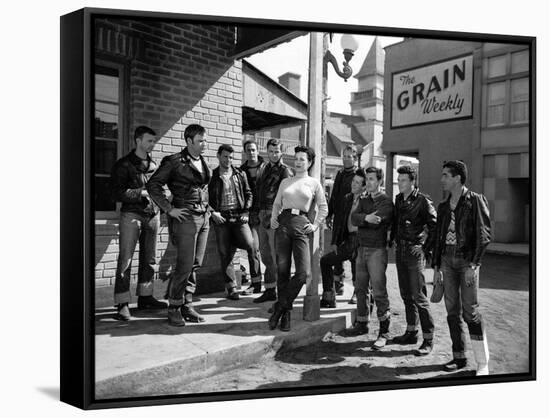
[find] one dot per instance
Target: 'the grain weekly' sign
(433, 93)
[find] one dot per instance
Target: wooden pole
(314, 140)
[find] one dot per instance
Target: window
(496, 104)
(520, 100)
(507, 98)
(520, 62)
(107, 133)
(497, 66)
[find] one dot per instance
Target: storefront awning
(253, 39)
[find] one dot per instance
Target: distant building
(448, 100)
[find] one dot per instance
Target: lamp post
(319, 57)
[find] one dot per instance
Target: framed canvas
(153, 312)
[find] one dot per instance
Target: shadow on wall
(174, 74)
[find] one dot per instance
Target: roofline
(273, 82)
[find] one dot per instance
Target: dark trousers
(345, 251)
(460, 298)
(412, 286)
(189, 237)
(134, 227)
(229, 237)
(291, 241)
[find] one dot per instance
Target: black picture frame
(77, 226)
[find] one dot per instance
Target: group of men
(364, 223)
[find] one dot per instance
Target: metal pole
(314, 139)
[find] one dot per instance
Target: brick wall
(177, 74)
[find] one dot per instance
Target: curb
(184, 370)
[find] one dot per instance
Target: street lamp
(349, 45)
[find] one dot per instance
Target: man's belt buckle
(232, 220)
(295, 211)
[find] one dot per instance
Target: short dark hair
(225, 147)
(309, 152)
(407, 169)
(351, 148)
(250, 141)
(361, 173)
(274, 142)
(142, 130)
(193, 130)
(378, 171)
(457, 168)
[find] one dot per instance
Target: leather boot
(268, 295)
(254, 288)
(149, 302)
(409, 337)
(276, 315)
(188, 311)
(174, 316)
(383, 335)
(285, 321)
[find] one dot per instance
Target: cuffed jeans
(266, 237)
(412, 286)
(134, 227)
(460, 298)
(371, 266)
(229, 237)
(189, 237)
(345, 251)
(290, 240)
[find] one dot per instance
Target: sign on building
(432, 93)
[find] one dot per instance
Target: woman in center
(294, 220)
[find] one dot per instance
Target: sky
(293, 56)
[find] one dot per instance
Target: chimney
(291, 81)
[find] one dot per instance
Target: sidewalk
(508, 248)
(130, 357)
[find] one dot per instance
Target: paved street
(504, 300)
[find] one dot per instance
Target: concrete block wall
(177, 74)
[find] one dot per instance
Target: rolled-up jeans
(232, 235)
(371, 266)
(134, 227)
(290, 240)
(412, 286)
(189, 237)
(460, 298)
(266, 237)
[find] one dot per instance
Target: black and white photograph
(281, 208)
(274, 209)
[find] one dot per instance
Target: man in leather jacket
(187, 175)
(230, 198)
(413, 231)
(253, 167)
(267, 186)
(462, 234)
(336, 214)
(139, 220)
